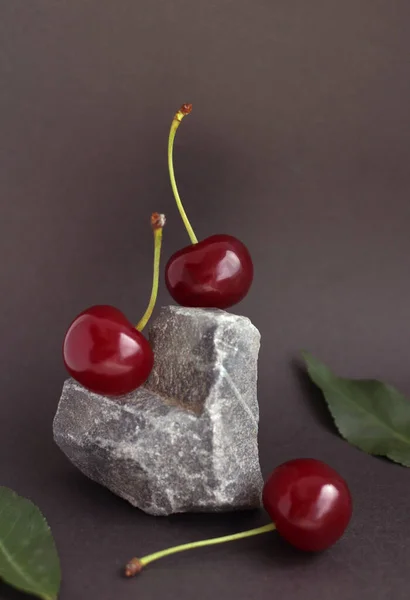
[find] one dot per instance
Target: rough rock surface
(187, 440)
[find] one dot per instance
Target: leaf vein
(395, 433)
(10, 558)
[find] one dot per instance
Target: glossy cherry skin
(215, 273)
(104, 352)
(309, 502)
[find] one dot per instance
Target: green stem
(157, 222)
(137, 564)
(184, 110)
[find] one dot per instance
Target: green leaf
(28, 556)
(369, 414)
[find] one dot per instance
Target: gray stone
(187, 440)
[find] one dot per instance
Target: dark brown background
(299, 144)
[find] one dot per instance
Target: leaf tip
(308, 357)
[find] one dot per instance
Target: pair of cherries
(309, 503)
(106, 353)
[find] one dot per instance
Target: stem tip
(157, 221)
(134, 567)
(186, 109)
(181, 113)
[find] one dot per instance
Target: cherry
(309, 503)
(106, 353)
(216, 272)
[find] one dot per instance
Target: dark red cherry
(309, 502)
(104, 352)
(216, 273)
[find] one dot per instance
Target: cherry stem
(184, 110)
(157, 223)
(136, 565)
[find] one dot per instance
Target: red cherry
(309, 503)
(216, 273)
(104, 352)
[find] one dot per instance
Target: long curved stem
(157, 222)
(136, 565)
(184, 110)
